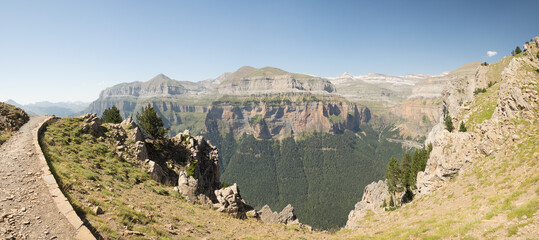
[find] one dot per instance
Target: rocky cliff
(285, 115)
(501, 123)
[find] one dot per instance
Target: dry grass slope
(91, 175)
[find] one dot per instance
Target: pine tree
(448, 123)
(517, 50)
(462, 127)
(151, 124)
(111, 115)
(416, 167)
(406, 171)
(393, 175)
(391, 202)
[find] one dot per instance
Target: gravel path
(27, 210)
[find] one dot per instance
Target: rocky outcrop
(11, 118)
(202, 174)
(286, 216)
(91, 124)
(516, 98)
(229, 200)
(374, 196)
(269, 119)
(512, 90)
(158, 174)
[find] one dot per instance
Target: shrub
(448, 123)
(191, 168)
(517, 50)
(111, 115)
(490, 84)
(479, 90)
(151, 124)
(462, 127)
(484, 64)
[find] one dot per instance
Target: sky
(71, 50)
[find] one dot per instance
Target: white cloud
(491, 53)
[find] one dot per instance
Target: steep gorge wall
(266, 120)
(493, 118)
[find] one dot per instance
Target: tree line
(401, 176)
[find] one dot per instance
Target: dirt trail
(27, 210)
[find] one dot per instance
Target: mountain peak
(346, 75)
(160, 77)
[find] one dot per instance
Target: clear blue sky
(71, 50)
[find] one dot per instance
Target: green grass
(484, 106)
(255, 120)
(4, 137)
(81, 162)
(527, 209)
(335, 118)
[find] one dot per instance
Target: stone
(286, 216)
(373, 197)
(91, 124)
(158, 174)
(97, 210)
(141, 152)
(230, 201)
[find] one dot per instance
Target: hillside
(60, 109)
(482, 183)
(11, 119)
(119, 195)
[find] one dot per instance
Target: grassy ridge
(135, 207)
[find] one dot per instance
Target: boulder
(286, 216)
(230, 201)
(91, 124)
(141, 152)
(158, 174)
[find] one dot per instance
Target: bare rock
(286, 216)
(141, 151)
(373, 198)
(97, 210)
(158, 174)
(230, 201)
(91, 124)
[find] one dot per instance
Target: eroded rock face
(286, 216)
(204, 159)
(265, 120)
(275, 84)
(373, 199)
(453, 153)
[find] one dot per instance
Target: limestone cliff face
(170, 98)
(265, 120)
(159, 86)
(512, 95)
(493, 119)
(276, 84)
